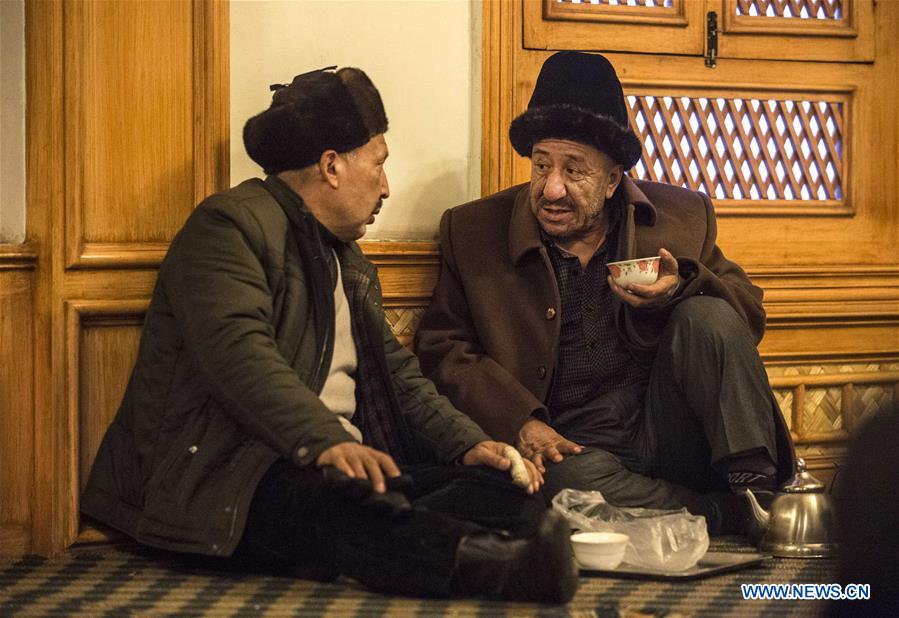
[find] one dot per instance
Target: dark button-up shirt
(592, 358)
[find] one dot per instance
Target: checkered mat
(127, 580)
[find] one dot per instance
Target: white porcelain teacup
(599, 550)
(640, 270)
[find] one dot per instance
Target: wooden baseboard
(15, 540)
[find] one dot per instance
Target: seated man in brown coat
(271, 410)
(654, 395)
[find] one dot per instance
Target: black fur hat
(318, 111)
(578, 97)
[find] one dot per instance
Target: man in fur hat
(272, 419)
(654, 395)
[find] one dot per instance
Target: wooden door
(663, 26)
(127, 124)
(832, 30)
(799, 156)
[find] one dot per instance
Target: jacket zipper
(318, 382)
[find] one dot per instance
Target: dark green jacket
(231, 361)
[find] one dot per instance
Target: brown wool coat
(489, 339)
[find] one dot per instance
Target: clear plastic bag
(660, 540)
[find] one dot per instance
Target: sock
(728, 514)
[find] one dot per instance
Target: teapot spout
(760, 516)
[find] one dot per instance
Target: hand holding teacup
(646, 295)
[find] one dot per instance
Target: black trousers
(300, 525)
(662, 444)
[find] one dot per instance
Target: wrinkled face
(570, 183)
(363, 187)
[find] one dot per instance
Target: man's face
(362, 189)
(570, 183)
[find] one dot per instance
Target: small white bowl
(599, 550)
(641, 270)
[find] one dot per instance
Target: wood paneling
(147, 125)
(132, 124)
(127, 127)
(678, 30)
(211, 97)
(408, 270)
(497, 73)
(848, 38)
(103, 338)
(45, 182)
(16, 399)
(681, 29)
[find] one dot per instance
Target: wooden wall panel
(103, 338)
(16, 401)
(127, 127)
(129, 86)
(104, 346)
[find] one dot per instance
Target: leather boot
(538, 569)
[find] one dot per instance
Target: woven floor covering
(126, 580)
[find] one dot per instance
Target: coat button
(550, 313)
(193, 449)
(302, 452)
(541, 372)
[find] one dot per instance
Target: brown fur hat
(318, 111)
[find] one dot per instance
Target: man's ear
(615, 175)
(329, 166)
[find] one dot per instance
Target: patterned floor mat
(126, 580)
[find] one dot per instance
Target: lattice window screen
(802, 9)
(641, 3)
(742, 149)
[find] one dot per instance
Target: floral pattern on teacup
(627, 269)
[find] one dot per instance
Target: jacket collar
(298, 214)
(524, 230)
(296, 210)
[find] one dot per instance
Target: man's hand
(490, 453)
(653, 295)
(360, 462)
(537, 441)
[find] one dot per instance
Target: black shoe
(540, 569)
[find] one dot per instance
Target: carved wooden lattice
(632, 12)
(640, 3)
(803, 9)
(742, 149)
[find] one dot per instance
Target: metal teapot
(799, 523)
